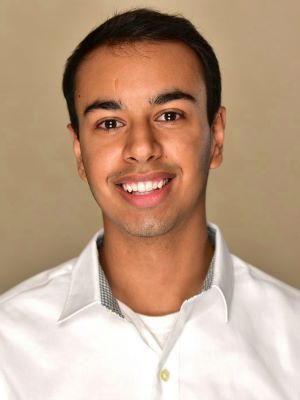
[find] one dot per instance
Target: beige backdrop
(47, 214)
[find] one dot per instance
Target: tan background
(47, 214)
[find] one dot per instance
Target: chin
(148, 228)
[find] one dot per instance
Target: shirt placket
(167, 380)
(168, 367)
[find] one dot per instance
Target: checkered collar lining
(111, 303)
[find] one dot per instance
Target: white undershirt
(160, 326)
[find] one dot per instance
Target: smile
(144, 188)
(146, 191)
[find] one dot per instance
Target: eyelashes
(169, 116)
(111, 124)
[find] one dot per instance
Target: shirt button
(164, 375)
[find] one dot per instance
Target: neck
(153, 276)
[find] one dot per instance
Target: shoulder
(256, 287)
(46, 287)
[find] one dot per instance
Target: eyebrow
(160, 99)
(165, 97)
(103, 105)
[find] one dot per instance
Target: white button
(164, 375)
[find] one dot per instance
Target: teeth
(160, 184)
(144, 187)
(141, 187)
(148, 186)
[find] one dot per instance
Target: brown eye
(169, 116)
(109, 124)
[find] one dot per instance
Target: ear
(217, 132)
(77, 152)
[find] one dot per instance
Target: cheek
(190, 150)
(99, 161)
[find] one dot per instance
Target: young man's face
(145, 143)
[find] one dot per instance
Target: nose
(142, 144)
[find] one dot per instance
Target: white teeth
(148, 186)
(142, 187)
(160, 184)
(127, 187)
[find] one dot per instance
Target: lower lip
(147, 200)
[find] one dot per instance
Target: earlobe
(217, 132)
(77, 152)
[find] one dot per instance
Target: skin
(154, 256)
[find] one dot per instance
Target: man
(155, 307)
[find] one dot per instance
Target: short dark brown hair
(150, 25)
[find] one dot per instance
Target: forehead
(139, 69)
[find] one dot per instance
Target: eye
(109, 124)
(170, 116)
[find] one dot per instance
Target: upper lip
(152, 176)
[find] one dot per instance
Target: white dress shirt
(160, 327)
(63, 337)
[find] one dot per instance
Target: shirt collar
(223, 277)
(84, 284)
(89, 285)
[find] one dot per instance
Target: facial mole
(116, 84)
